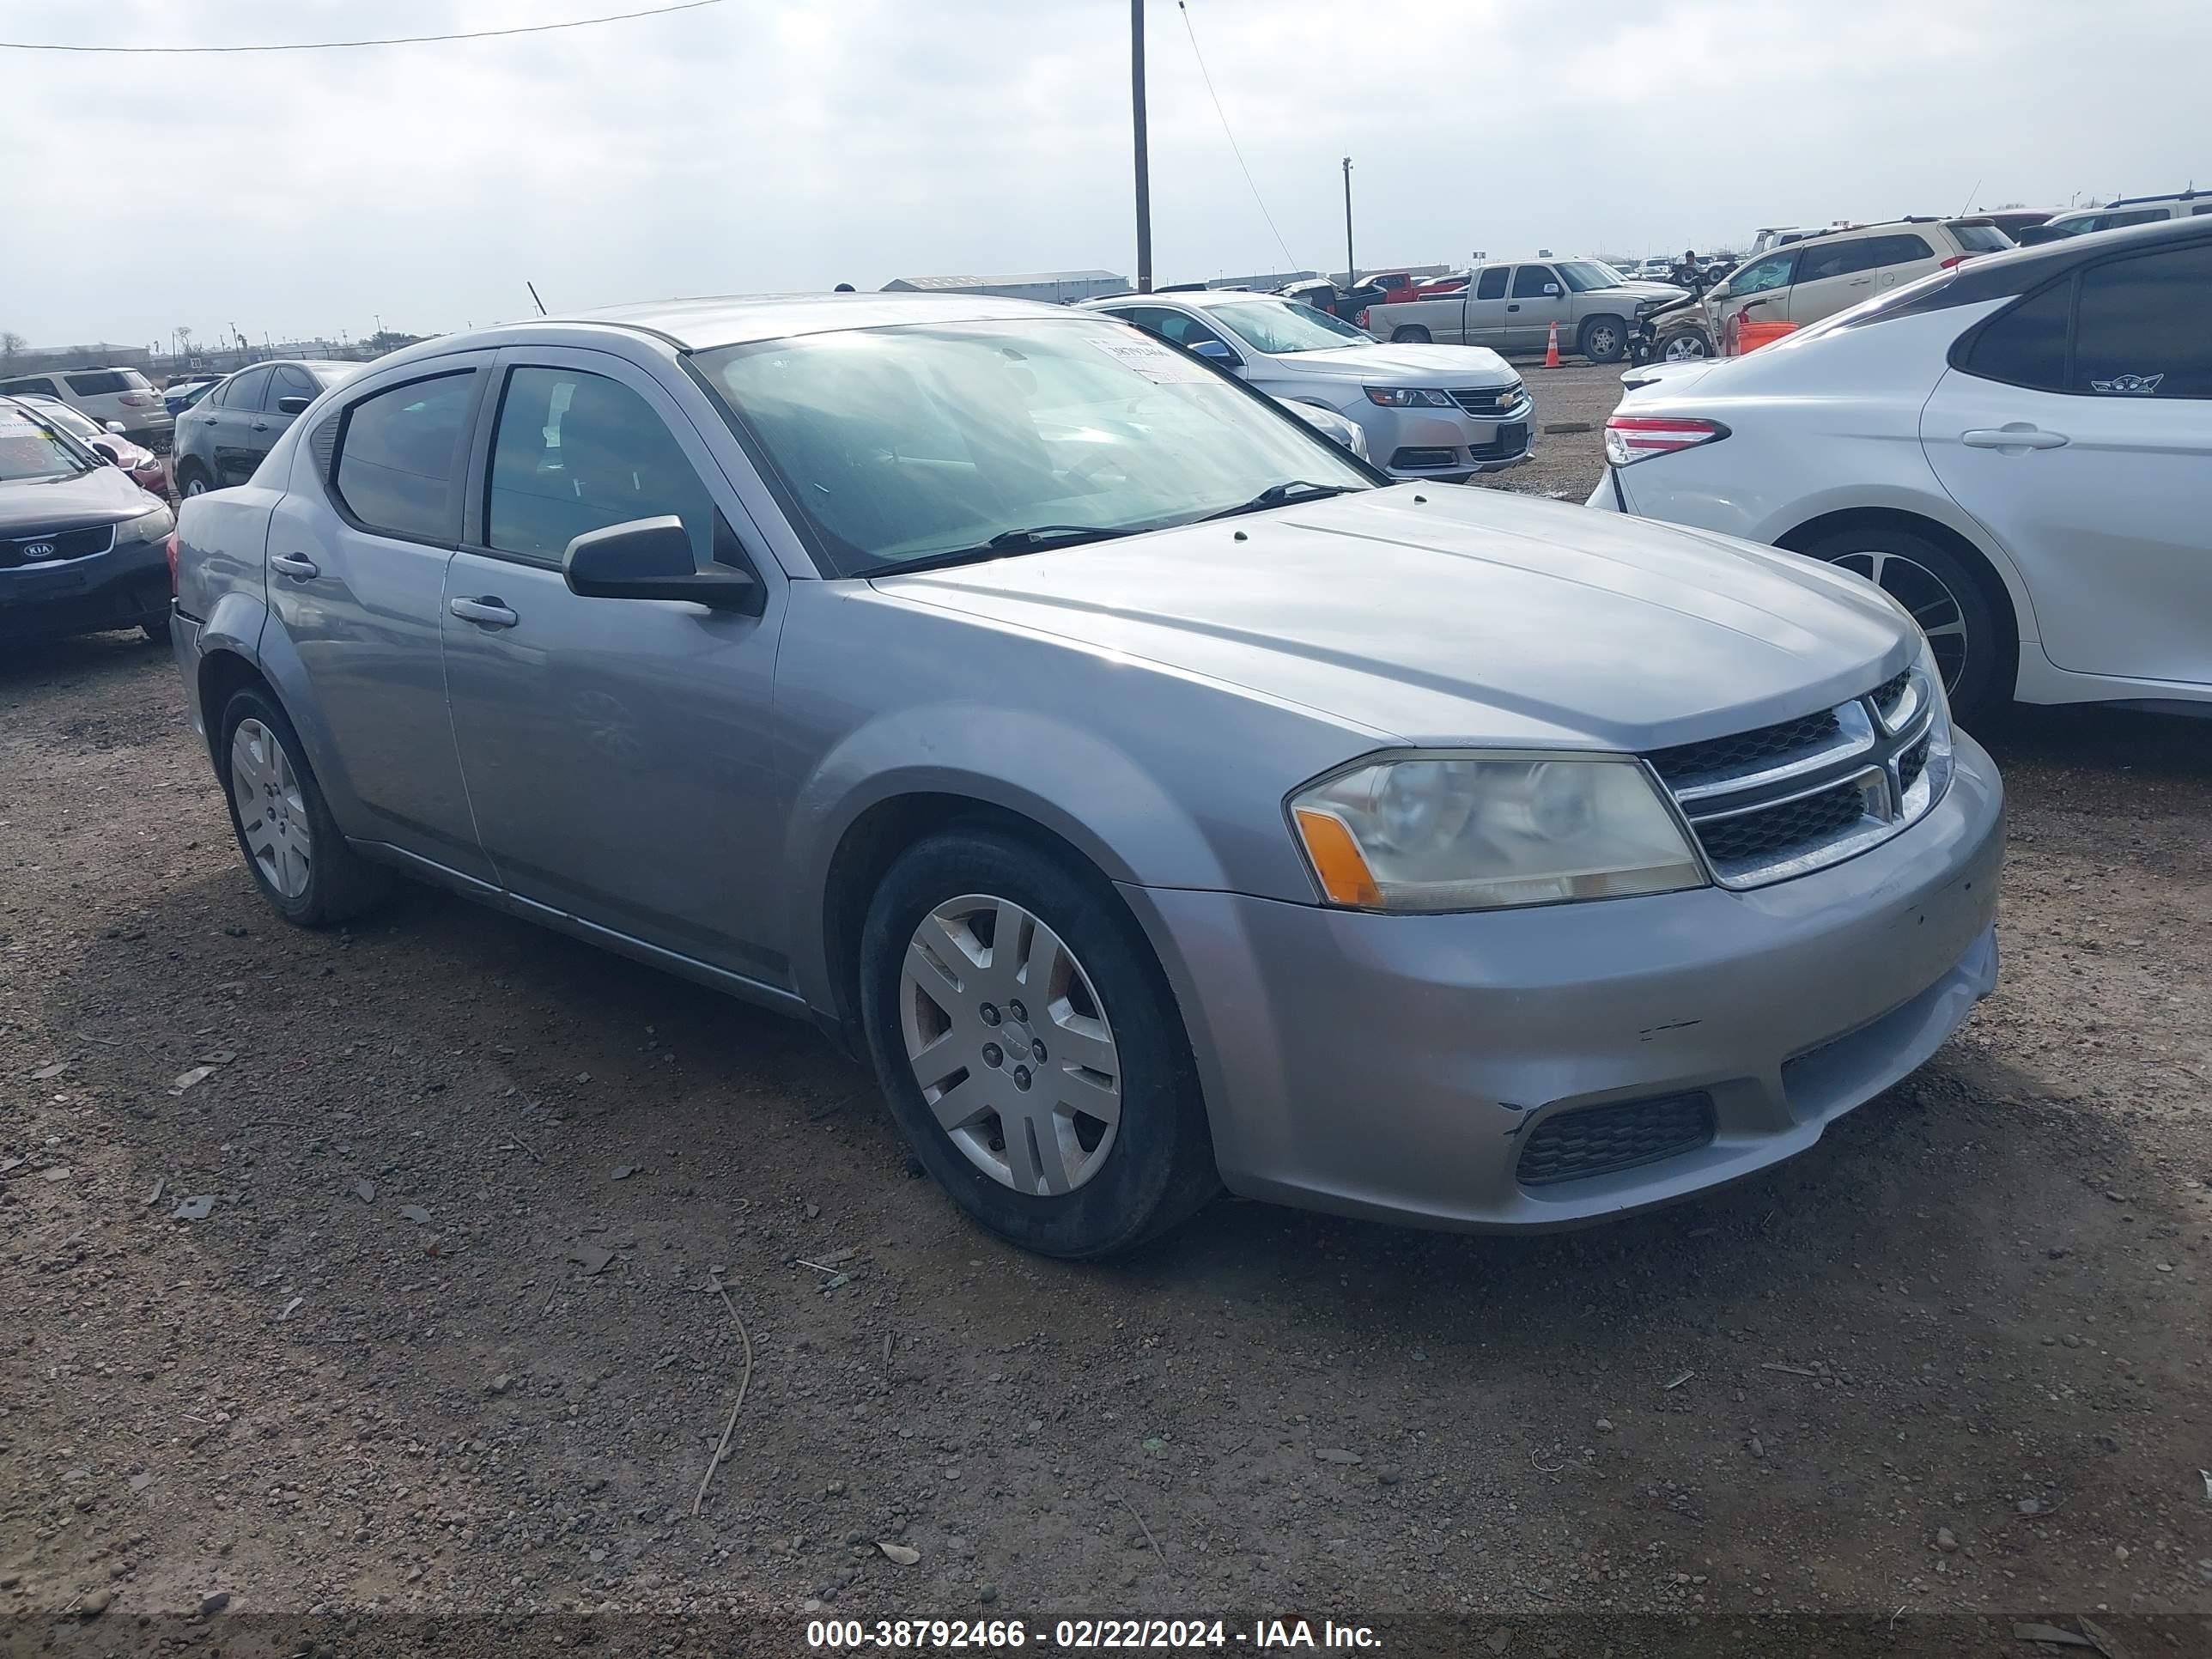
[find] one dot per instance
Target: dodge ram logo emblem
(37, 550)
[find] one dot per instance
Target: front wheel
(1412, 334)
(1604, 340)
(1029, 1047)
(1688, 347)
(1966, 637)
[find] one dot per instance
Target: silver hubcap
(271, 810)
(1683, 347)
(1011, 1045)
(1931, 602)
(196, 485)
(1601, 341)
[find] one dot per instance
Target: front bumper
(123, 587)
(1398, 1067)
(1445, 444)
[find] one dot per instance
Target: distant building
(1054, 287)
(40, 360)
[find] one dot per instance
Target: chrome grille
(1783, 800)
(1599, 1139)
(1488, 400)
(22, 550)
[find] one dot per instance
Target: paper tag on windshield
(1163, 365)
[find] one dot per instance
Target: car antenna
(532, 287)
(1962, 211)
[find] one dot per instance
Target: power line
(348, 46)
(1291, 264)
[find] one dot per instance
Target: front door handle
(295, 564)
(487, 612)
(2019, 435)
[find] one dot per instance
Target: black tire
(1941, 589)
(156, 629)
(341, 884)
(1603, 339)
(1689, 346)
(1412, 334)
(1158, 1170)
(192, 479)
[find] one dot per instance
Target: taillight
(132, 400)
(1632, 438)
(169, 551)
(1955, 259)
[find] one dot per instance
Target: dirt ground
(447, 1339)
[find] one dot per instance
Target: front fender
(1064, 778)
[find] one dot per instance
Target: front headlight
(147, 526)
(1410, 397)
(1468, 832)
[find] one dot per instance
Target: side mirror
(292, 404)
(1214, 352)
(1551, 290)
(651, 559)
(117, 427)
(103, 454)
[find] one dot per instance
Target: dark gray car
(221, 439)
(1159, 799)
(82, 548)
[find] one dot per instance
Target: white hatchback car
(2015, 450)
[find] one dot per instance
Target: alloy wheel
(1928, 597)
(196, 485)
(272, 811)
(1683, 348)
(1010, 1044)
(1602, 340)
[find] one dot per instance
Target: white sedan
(2015, 450)
(1429, 411)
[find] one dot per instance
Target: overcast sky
(764, 144)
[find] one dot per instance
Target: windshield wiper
(1282, 494)
(1029, 539)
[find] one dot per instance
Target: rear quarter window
(97, 383)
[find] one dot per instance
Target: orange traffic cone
(1552, 347)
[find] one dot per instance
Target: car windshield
(897, 445)
(1581, 275)
(31, 449)
(1282, 328)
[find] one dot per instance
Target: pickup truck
(1511, 307)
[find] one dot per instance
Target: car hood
(1404, 365)
(103, 495)
(1439, 614)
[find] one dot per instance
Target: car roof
(697, 324)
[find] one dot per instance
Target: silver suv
(122, 395)
(1157, 797)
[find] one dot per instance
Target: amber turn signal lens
(1337, 861)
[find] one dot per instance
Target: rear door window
(1490, 285)
(2139, 331)
(292, 381)
(398, 454)
(243, 391)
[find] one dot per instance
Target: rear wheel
(192, 479)
(1029, 1047)
(1412, 334)
(1946, 597)
(1603, 340)
(299, 860)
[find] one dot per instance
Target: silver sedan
(1159, 799)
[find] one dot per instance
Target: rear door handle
(295, 564)
(487, 612)
(2017, 436)
(260, 426)
(1513, 307)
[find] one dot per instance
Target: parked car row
(1514, 307)
(2015, 449)
(121, 395)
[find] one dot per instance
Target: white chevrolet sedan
(1429, 411)
(2017, 451)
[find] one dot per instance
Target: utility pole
(1351, 270)
(1144, 162)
